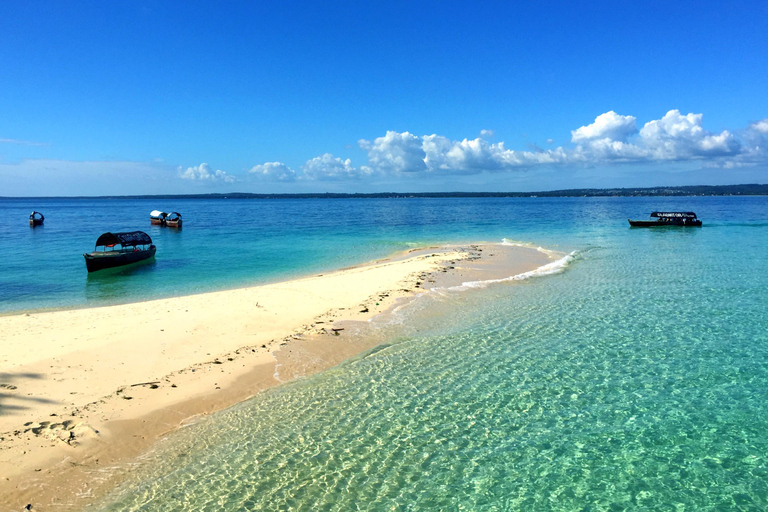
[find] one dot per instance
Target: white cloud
(395, 153)
(486, 133)
(610, 125)
(611, 138)
(681, 137)
(760, 126)
(204, 173)
(274, 171)
(328, 167)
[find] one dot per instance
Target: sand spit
(83, 392)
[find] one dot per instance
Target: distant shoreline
(689, 190)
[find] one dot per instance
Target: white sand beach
(85, 390)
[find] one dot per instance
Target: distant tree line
(693, 190)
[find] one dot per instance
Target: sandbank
(83, 392)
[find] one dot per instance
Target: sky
(164, 97)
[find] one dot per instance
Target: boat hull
(688, 223)
(100, 260)
(35, 222)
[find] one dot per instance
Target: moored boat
(36, 219)
(157, 217)
(683, 219)
(173, 220)
(118, 249)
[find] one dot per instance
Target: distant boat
(684, 219)
(157, 217)
(36, 219)
(118, 249)
(172, 220)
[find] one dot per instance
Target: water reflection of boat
(685, 219)
(172, 220)
(36, 219)
(118, 249)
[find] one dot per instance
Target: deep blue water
(636, 379)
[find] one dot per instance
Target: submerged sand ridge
(83, 391)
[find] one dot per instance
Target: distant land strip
(691, 190)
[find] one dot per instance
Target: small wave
(514, 243)
(550, 268)
(276, 375)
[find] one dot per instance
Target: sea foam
(554, 267)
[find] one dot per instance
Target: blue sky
(145, 97)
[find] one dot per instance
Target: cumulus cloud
(274, 171)
(329, 167)
(395, 153)
(681, 137)
(673, 137)
(760, 126)
(204, 173)
(608, 126)
(611, 138)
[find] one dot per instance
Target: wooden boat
(36, 219)
(172, 220)
(157, 217)
(683, 219)
(118, 249)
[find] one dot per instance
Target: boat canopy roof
(157, 214)
(128, 239)
(36, 215)
(675, 215)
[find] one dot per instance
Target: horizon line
(683, 190)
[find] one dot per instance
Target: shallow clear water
(637, 379)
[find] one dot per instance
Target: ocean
(636, 378)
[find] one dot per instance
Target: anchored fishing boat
(118, 249)
(157, 217)
(173, 220)
(684, 219)
(36, 219)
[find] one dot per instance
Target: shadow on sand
(9, 392)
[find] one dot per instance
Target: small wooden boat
(118, 249)
(36, 219)
(172, 220)
(157, 217)
(684, 219)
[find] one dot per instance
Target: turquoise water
(636, 379)
(224, 243)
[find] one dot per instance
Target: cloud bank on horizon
(611, 139)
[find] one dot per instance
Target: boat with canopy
(118, 249)
(172, 220)
(684, 219)
(36, 219)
